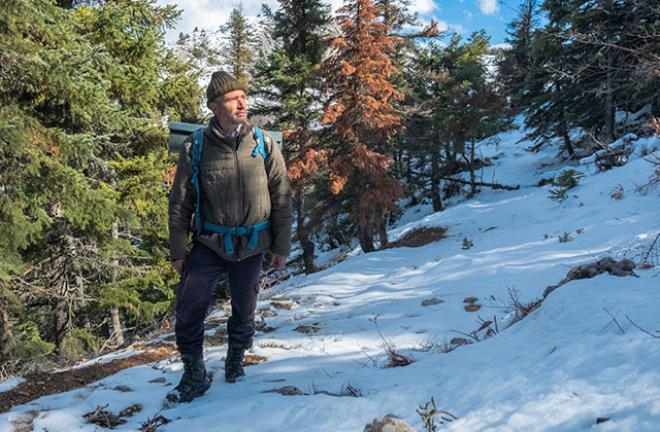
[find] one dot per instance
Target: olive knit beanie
(221, 83)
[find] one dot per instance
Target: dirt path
(47, 383)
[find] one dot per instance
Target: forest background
(375, 116)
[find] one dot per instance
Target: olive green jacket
(236, 190)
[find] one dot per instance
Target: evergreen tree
(362, 114)
(238, 47)
(514, 66)
(264, 41)
(550, 96)
(397, 16)
(600, 60)
(462, 107)
(288, 89)
(594, 69)
(80, 134)
(201, 49)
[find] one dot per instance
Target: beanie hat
(221, 83)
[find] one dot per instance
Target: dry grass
(253, 359)
(276, 345)
(419, 237)
(307, 328)
(282, 304)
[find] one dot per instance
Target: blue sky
(466, 16)
(462, 16)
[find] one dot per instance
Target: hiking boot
(234, 362)
(194, 382)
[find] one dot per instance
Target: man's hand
(278, 261)
(178, 265)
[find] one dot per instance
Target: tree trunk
(6, 337)
(366, 239)
(302, 233)
(608, 130)
(382, 231)
(436, 197)
(307, 254)
(115, 321)
(366, 233)
(473, 178)
(60, 320)
(563, 131)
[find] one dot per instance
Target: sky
(460, 16)
(586, 359)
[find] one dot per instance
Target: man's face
(230, 109)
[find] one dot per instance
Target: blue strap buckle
(229, 233)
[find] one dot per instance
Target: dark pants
(202, 271)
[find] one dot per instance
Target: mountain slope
(586, 358)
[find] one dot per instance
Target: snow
(584, 360)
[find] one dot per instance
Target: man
(237, 205)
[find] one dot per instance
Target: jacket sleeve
(280, 199)
(181, 205)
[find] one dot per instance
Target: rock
(624, 267)
(472, 307)
(389, 423)
(459, 341)
(432, 301)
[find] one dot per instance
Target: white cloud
(457, 28)
(488, 7)
(210, 14)
(442, 26)
(424, 6)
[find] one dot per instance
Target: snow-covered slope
(586, 359)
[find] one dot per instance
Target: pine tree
(201, 48)
(362, 114)
(601, 60)
(288, 87)
(100, 81)
(265, 43)
(461, 108)
(550, 97)
(514, 66)
(407, 28)
(594, 69)
(238, 46)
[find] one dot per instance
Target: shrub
(428, 411)
(565, 238)
(30, 344)
(617, 193)
(77, 343)
(566, 180)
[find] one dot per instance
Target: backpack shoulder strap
(260, 147)
(196, 155)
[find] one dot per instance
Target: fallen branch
(648, 252)
(477, 183)
(615, 321)
(641, 329)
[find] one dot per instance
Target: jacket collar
(233, 136)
